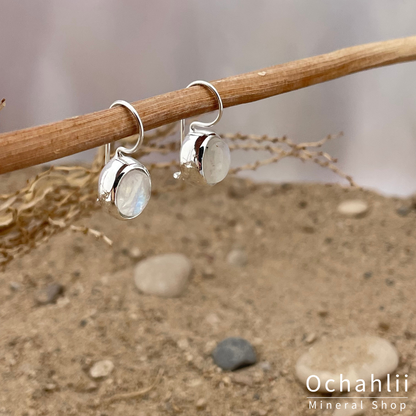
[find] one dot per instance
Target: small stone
(91, 386)
(165, 275)
(209, 347)
(194, 382)
(101, 369)
(403, 211)
(237, 258)
(213, 319)
(243, 379)
(201, 404)
(310, 338)
(226, 380)
(368, 275)
(135, 253)
(323, 313)
(183, 344)
(353, 357)
(308, 229)
(303, 204)
(354, 208)
(49, 294)
(265, 366)
(233, 353)
(208, 273)
(384, 326)
(14, 286)
(50, 387)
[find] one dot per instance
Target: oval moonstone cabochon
(216, 161)
(133, 193)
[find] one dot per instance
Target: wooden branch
(31, 146)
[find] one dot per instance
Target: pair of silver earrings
(124, 185)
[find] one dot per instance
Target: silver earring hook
(200, 123)
(140, 134)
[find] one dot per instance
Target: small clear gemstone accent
(133, 193)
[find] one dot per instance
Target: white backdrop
(64, 58)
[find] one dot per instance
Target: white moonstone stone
(356, 358)
(133, 193)
(216, 162)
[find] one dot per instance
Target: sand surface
(311, 274)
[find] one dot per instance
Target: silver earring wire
(200, 123)
(140, 134)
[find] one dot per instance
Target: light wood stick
(31, 146)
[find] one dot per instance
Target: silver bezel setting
(110, 180)
(192, 154)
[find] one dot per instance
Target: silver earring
(204, 156)
(124, 185)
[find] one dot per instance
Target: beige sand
(310, 273)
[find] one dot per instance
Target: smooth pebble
(233, 353)
(242, 379)
(353, 357)
(403, 211)
(165, 275)
(201, 404)
(49, 294)
(237, 258)
(101, 369)
(353, 208)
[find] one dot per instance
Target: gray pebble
(237, 258)
(165, 275)
(49, 294)
(233, 353)
(353, 357)
(403, 211)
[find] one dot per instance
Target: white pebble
(101, 369)
(354, 357)
(353, 208)
(165, 275)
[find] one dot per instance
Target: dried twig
(133, 394)
(45, 143)
(86, 230)
(53, 200)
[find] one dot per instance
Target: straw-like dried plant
(54, 199)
